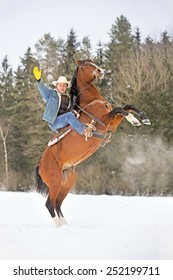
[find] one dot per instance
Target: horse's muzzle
(99, 73)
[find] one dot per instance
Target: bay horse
(56, 170)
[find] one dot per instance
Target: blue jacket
(53, 101)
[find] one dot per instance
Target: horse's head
(90, 71)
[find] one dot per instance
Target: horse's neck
(89, 93)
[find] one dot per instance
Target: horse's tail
(40, 186)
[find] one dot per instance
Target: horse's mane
(74, 89)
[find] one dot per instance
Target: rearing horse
(57, 165)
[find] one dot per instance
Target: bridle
(93, 72)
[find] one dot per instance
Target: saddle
(65, 130)
(62, 132)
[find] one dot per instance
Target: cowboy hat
(61, 80)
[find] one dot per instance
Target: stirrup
(91, 125)
(87, 133)
(88, 130)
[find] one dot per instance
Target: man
(57, 105)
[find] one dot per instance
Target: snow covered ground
(100, 227)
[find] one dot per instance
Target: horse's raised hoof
(134, 121)
(146, 121)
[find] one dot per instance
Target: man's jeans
(65, 119)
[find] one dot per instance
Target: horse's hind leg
(52, 179)
(50, 207)
(51, 202)
(68, 181)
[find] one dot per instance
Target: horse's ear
(78, 61)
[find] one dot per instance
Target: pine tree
(121, 42)
(26, 139)
(49, 53)
(85, 49)
(100, 54)
(6, 113)
(149, 41)
(165, 38)
(100, 60)
(70, 53)
(137, 38)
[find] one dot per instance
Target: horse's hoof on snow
(146, 121)
(63, 221)
(59, 222)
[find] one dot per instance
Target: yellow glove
(37, 73)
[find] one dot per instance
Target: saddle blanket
(58, 137)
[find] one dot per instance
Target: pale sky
(24, 22)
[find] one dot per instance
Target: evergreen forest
(138, 160)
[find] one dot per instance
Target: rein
(91, 116)
(104, 136)
(83, 90)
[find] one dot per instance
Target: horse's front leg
(140, 113)
(124, 113)
(131, 119)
